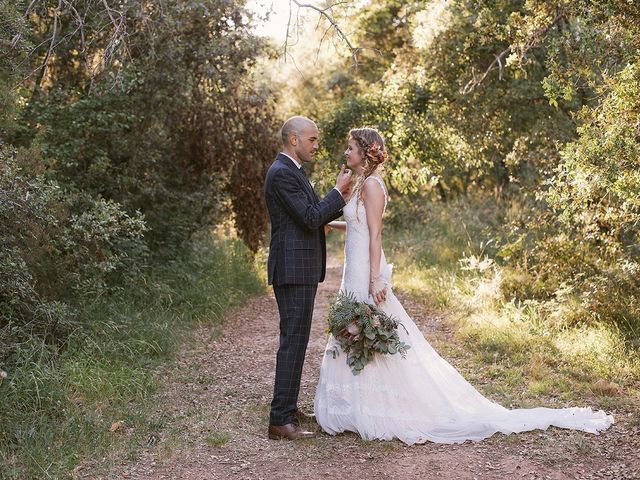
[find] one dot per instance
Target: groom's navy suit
(297, 263)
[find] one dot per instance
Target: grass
(58, 409)
(218, 439)
(522, 352)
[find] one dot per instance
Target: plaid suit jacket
(297, 251)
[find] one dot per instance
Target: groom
(296, 264)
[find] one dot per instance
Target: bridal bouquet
(362, 330)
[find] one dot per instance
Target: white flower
(353, 329)
(3, 374)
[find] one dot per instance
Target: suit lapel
(308, 182)
(303, 178)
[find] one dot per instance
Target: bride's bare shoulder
(374, 187)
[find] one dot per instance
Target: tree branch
(28, 10)
(497, 61)
(80, 23)
(54, 35)
(115, 38)
(332, 24)
(286, 38)
(474, 82)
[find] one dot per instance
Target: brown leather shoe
(288, 432)
(299, 417)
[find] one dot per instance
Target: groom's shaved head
(295, 125)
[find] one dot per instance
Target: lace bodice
(354, 210)
(355, 278)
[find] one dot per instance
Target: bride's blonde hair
(374, 155)
(373, 151)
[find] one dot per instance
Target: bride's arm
(373, 198)
(335, 225)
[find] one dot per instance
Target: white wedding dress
(421, 397)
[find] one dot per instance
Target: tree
(150, 104)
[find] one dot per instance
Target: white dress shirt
(292, 159)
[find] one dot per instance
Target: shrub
(56, 247)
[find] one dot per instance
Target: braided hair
(372, 149)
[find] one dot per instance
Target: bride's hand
(378, 290)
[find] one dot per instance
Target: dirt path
(215, 410)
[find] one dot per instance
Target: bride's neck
(362, 173)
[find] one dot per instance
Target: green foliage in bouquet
(362, 330)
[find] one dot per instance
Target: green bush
(57, 406)
(56, 247)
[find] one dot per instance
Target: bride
(421, 397)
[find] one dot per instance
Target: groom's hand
(344, 181)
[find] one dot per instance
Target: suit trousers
(295, 305)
